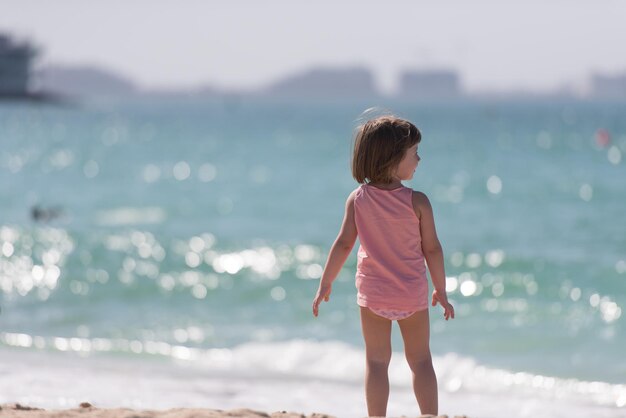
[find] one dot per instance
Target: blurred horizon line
(356, 81)
(23, 74)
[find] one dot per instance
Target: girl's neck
(395, 184)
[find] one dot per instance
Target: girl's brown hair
(379, 146)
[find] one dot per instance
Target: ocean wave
(340, 363)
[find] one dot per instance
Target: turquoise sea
(158, 254)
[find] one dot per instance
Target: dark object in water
(39, 214)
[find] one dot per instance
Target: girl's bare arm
(433, 252)
(338, 255)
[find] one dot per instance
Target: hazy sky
(495, 44)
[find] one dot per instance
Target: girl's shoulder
(420, 202)
(356, 192)
(419, 196)
(353, 195)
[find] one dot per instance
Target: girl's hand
(448, 309)
(323, 294)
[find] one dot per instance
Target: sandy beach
(86, 410)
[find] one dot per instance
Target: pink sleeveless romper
(391, 272)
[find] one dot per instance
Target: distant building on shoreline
(84, 81)
(326, 83)
(15, 67)
(608, 87)
(433, 84)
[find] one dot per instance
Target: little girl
(396, 230)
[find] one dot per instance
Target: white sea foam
(299, 375)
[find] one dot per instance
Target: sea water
(158, 254)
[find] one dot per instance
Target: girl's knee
(378, 362)
(420, 362)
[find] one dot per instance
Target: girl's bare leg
(416, 334)
(377, 335)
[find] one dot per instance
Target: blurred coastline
(22, 76)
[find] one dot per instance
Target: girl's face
(407, 166)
